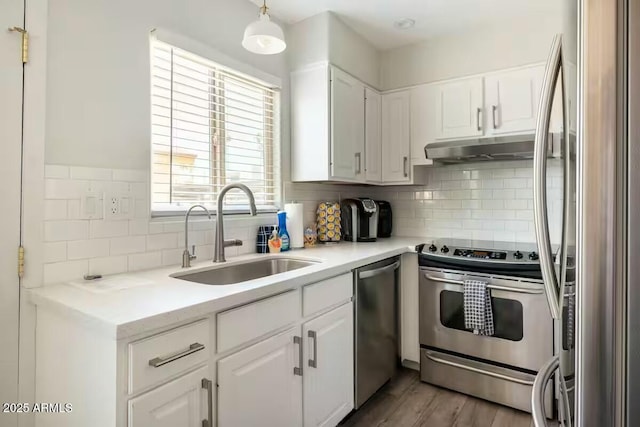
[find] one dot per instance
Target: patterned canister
(328, 222)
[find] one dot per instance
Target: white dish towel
(478, 314)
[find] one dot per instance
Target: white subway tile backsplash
(145, 261)
(55, 231)
(81, 172)
(139, 227)
(55, 251)
(493, 201)
(128, 245)
(162, 241)
(102, 228)
(64, 271)
(108, 265)
(130, 175)
(55, 209)
(90, 248)
(65, 188)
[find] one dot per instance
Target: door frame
(34, 123)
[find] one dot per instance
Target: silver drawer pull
(207, 384)
(490, 286)
(156, 362)
(478, 370)
(313, 336)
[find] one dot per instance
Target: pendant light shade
(263, 36)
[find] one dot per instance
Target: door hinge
(25, 42)
(20, 261)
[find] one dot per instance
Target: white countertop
(128, 304)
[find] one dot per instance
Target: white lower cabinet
(310, 367)
(328, 371)
(258, 386)
(182, 402)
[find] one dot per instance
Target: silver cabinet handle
(405, 160)
(509, 378)
(489, 285)
(358, 163)
(478, 112)
(297, 370)
(377, 271)
(554, 65)
(208, 385)
(314, 336)
(156, 362)
(493, 114)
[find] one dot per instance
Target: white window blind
(210, 127)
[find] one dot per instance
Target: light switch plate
(91, 205)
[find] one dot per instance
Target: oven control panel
(480, 254)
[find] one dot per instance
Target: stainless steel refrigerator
(606, 191)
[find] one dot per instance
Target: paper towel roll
(295, 224)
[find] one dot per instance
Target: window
(211, 126)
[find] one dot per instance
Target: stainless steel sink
(241, 272)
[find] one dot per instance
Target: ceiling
(373, 19)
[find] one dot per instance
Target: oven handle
(478, 370)
(490, 286)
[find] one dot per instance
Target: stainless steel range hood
(515, 147)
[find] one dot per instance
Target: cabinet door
(258, 386)
(459, 109)
(178, 403)
(512, 100)
(347, 126)
(396, 147)
(328, 374)
(373, 135)
(423, 122)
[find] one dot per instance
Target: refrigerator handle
(541, 222)
(540, 386)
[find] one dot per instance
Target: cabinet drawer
(161, 356)
(321, 295)
(242, 324)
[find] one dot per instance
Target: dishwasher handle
(375, 272)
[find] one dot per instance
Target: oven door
(523, 336)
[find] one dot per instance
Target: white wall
(98, 108)
(480, 50)
(325, 37)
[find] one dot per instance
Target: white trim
(208, 52)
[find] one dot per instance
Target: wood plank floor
(407, 402)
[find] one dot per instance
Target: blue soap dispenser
(282, 230)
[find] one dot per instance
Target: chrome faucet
(218, 252)
(187, 256)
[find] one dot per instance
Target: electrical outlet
(118, 206)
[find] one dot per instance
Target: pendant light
(263, 36)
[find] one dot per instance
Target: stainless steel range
(501, 367)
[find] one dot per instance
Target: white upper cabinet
(328, 370)
(347, 126)
(459, 111)
(373, 135)
(327, 125)
(396, 138)
(423, 121)
(512, 100)
(258, 387)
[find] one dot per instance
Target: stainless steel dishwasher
(376, 326)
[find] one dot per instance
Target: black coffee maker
(385, 218)
(359, 220)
